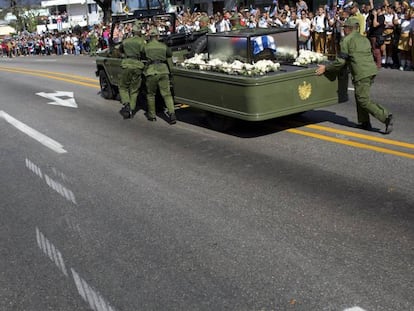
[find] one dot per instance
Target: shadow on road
(252, 129)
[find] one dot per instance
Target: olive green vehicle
(108, 61)
(225, 97)
(290, 90)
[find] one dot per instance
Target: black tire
(199, 46)
(219, 122)
(107, 90)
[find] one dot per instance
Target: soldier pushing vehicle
(132, 67)
(157, 73)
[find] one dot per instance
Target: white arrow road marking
(58, 101)
(41, 138)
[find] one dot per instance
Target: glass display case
(252, 45)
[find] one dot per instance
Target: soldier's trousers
(365, 106)
(161, 81)
(129, 85)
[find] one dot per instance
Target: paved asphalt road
(296, 213)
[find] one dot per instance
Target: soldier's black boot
(365, 126)
(172, 118)
(126, 112)
(389, 123)
(149, 117)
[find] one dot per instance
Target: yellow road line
(351, 143)
(362, 136)
(52, 77)
(49, 72)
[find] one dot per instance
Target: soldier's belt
(151, 62)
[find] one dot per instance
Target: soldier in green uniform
(235, 22)
(157, 74)
(355, 51)
(132, 66)
(203, 22)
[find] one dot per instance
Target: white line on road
(89, 295)
(58, 187)
(50, 250)
(34, 168)
(95, 300)
(41, 138)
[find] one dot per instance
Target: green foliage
(31, 21)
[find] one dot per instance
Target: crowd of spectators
(389, 27)
(57, 43)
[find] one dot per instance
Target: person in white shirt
(75, 44)
(212, 25)
(391, 20)
(224, 23)
(263, 21)
(304, 31)
(292, 20)
(406, 41)
(319, 29)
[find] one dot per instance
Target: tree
(31, 21)
(19, 23)
(106, 6)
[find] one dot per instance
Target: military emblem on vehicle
(304, 90)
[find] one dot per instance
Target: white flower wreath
(308, 57)
(200, 62)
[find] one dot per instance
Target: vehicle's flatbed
(292, 89)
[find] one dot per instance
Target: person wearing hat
(354, 10)
(204, 24)
(235, 22)
(132, 66)
(157, 77)
(355, 52)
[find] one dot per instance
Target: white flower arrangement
(287, 54)
(308, 57)
(200, 62)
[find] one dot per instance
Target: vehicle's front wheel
(107, 91)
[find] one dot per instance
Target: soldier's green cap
(136, 28)
(351, 22)
(204, 19)
(235, 17)
(139, 23)
(154, 32)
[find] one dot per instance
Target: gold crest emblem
(304, 90)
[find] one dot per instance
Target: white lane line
(88, 294)
(355, 309)
(50, 251)
(41, 138)
(92, 297)
(351, 89)
(59, 188)
(56, 186)
(34, 168)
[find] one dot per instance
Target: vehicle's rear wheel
(107, 91)
(219, 122)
